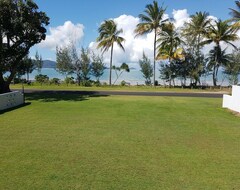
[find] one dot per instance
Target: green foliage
(22, 26)
(55, 81)
(193, 34)
(26, 66)
(146, 69)
(169, 42)
(167, 72)
(85, 66)
(232, 67)
(19, 80)
(69, 61)
(193, 66)
(69, 80)
(63, 61)
(120, 70)
(217, 57)
(38, 62)
(235, 13)
(98, 67)
(42, 79)
(123, 83)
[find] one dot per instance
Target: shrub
(42, 79)
(123, 83)
(55, 81)
(69, 80)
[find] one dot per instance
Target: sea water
(134, 77)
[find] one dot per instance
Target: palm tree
(193, 33)
(217, 57)
(108, 35)
(221, 31)
(168, 48)
(232, 67)
(169, 42)
(236, 13)
(197, 28)
(152, 20)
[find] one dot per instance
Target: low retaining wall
(232, 102)
(11, 99)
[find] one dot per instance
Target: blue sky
(88, 14)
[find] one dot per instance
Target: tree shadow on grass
(53, 96)
(15, 108)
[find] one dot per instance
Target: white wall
(232, 102)
(10, 100)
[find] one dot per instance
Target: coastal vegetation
(178, 51)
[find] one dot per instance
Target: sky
(78, 21)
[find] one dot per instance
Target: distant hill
(49, 64)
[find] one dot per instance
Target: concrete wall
(10, 100)
(232, 102)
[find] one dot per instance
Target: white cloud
(63, 35)
(180, 17)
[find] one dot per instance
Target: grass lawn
(119, 142)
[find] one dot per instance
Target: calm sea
(134, 77)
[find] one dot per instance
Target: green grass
(119, 142)
(117, 88)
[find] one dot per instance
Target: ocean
(134, 77)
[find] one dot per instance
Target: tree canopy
(23, 28)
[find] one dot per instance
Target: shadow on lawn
(15, 108)
(52, 96)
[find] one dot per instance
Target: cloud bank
(63, 35)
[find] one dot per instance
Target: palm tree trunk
(214, 77)
(154, 56)
(110, 74)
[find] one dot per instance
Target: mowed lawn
(119, 142)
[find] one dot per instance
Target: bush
(105, 84)
(69, 80)
(42, 79)
(123, 83)
(86, 83)
(17, 80)
(55, 81)
(96, 83)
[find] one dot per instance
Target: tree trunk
(78, 79)
(154, 56)
(110, 74)
(4, 87)
(214, 77)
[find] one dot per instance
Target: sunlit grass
(119, 142)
